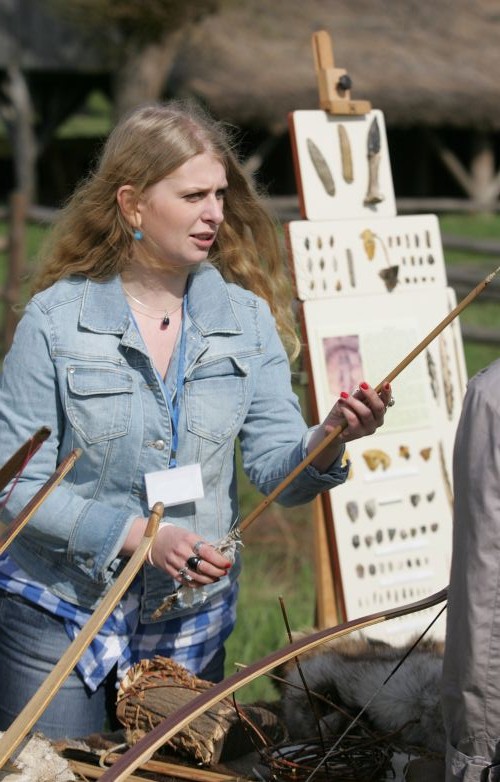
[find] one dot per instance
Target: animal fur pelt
(37, 761)
(342, 679)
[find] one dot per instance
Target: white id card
(174, 486)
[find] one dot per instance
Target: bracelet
(149, 558)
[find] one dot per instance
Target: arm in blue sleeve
(30, 397)
(274, 437)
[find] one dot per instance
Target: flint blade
(373, 194)
(373, 142)
(321, 167)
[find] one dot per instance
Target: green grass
(479, 313)
(481, 226)
(93, 120)
(270, 573)
(277, 563)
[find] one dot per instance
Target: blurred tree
(140, 37)
(16, 111)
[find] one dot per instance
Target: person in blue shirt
(155, 339)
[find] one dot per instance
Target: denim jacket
(79, 366)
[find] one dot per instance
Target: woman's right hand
(185, 556)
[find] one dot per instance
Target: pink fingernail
(364, 385)
(344, 395)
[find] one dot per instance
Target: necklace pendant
(165, 322)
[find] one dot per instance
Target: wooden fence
(461, 277)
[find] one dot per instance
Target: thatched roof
(39, 41)
(421, 61)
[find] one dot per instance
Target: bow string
(168, 727)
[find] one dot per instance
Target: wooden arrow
(331, 436)
(44, 695)
(18, 460)
(153, 740)
(15, 526)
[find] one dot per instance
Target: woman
(154, 340)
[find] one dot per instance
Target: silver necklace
(165, 320)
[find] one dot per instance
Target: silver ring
(193, 562)
(391, 402)
(184, 575)
(197, 546)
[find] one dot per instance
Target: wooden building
(432, 67)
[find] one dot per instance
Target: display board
(372, 285)
(332, 258)
(344, 165)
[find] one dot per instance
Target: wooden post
(334, 84)
(482, 169)
(18, 115)
(16, 263)
(327, 613)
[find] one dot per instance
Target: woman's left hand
(359, 413)
(364, 412)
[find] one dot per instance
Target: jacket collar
(104, 308)
(209, 305)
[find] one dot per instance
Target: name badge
(175, 486)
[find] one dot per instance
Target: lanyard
(174, 407)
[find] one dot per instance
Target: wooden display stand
(334, 84)
(371, 285)
(328, 611)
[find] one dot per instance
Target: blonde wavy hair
(91, 236)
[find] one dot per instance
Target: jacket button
(89, 562)
(159, 445)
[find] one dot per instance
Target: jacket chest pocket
(215, 396)
(99, 402)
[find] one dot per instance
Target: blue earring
(138, 234)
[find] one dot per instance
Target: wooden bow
(168, 727)
(43, 696)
